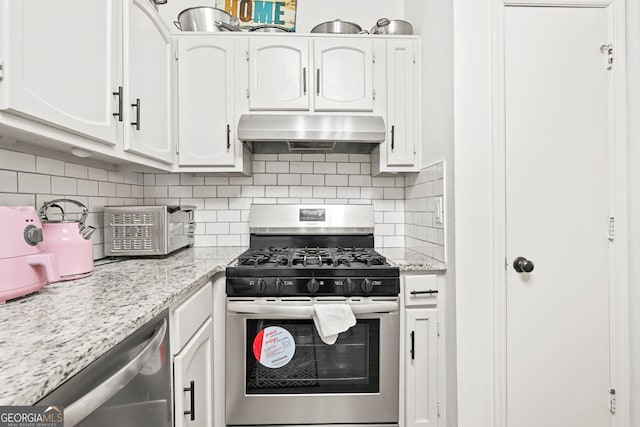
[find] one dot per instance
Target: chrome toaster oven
(147, 230)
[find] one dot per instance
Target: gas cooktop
(311, 271)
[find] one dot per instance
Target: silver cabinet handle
(306, 310)
(304, 80)
(118, 114)
(318, 82)
(83, 407)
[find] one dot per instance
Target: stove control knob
(313, 286)
(261, 285)
(366, 286)
(348, 286)
(279, 285)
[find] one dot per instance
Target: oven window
(350, 365)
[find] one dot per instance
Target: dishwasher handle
(83, 407)
(305, 310)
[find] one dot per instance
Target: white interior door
(557, 204)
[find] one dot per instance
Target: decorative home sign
(251, 13)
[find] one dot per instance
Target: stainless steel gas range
(300, 258)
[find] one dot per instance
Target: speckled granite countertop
(410, 260)
(48, 336)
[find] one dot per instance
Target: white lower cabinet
(193, 380)
(191, 328)
(420, 401)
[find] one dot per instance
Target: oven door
(353, 381)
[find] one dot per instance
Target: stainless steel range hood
(284, 133)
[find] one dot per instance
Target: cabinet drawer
(189, 316)
(420, 290)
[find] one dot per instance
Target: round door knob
(261, 285)
(348, 286)
(522, 265)
(366, 286)
(313, 286)
(279, 285)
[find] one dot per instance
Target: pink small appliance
(24, 264)
(68, 238)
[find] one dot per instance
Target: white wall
(633, 81)
(473, 227)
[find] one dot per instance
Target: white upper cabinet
(279, 74)
(343, 75)
(310, 74)
(64, 63)
(207, 74)
(149, 96)
(400, 105)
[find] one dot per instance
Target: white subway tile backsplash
(324, 168)
(123, 190)
(33, 183)
(349, 168)
(336, 180)
(115, 176)
(301, 191)
(314, 157)
(359, 180)
(253, 191)
(229, 191)
(47, 166)
(349, 192)
(167, 179)
(288, 201)
(218, 204)
(277, 167)
(393, 193)
(12, 160)
(259, 167)
(229, 240)
(87, 187)
(202, 216)
(239, 203)
(76, 171)
(289, 157)
(205, 191)
(216, 180)
(154, 191)
(291, 179)
(359, 158)
(217, 228)
(241, 180)
(312, 180)
(325, 192)
(301, 167)
(8, 181)
(337, 157)
(229, 216)
(271, 157)
(17, 199)
(189, 179)
(265, 179)
(277, 191)
(61, 185)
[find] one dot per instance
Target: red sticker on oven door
(274, 347)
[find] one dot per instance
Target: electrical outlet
(439, 219)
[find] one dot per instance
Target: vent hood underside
(280, 133)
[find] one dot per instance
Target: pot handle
(54, 203)
(177, 24)
(226, 26)
(363, 32)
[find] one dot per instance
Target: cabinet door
(343, 75)
(279, 74)
(402, 103)
(206, 117)
(149, 71)
(64, 64)
(193, 380)
(421, 382)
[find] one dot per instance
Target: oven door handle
(278, 309)
(83, 407)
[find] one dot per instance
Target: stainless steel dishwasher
(129, 386)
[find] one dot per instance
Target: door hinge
(247, 93)
(1, 69)
(612, 228)
(176, 54)
(414, 57)
(612, 401)
(246, 55)
(373, 58)
(374, 94)
(438, 328)
(438, 408)
(608, 49)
